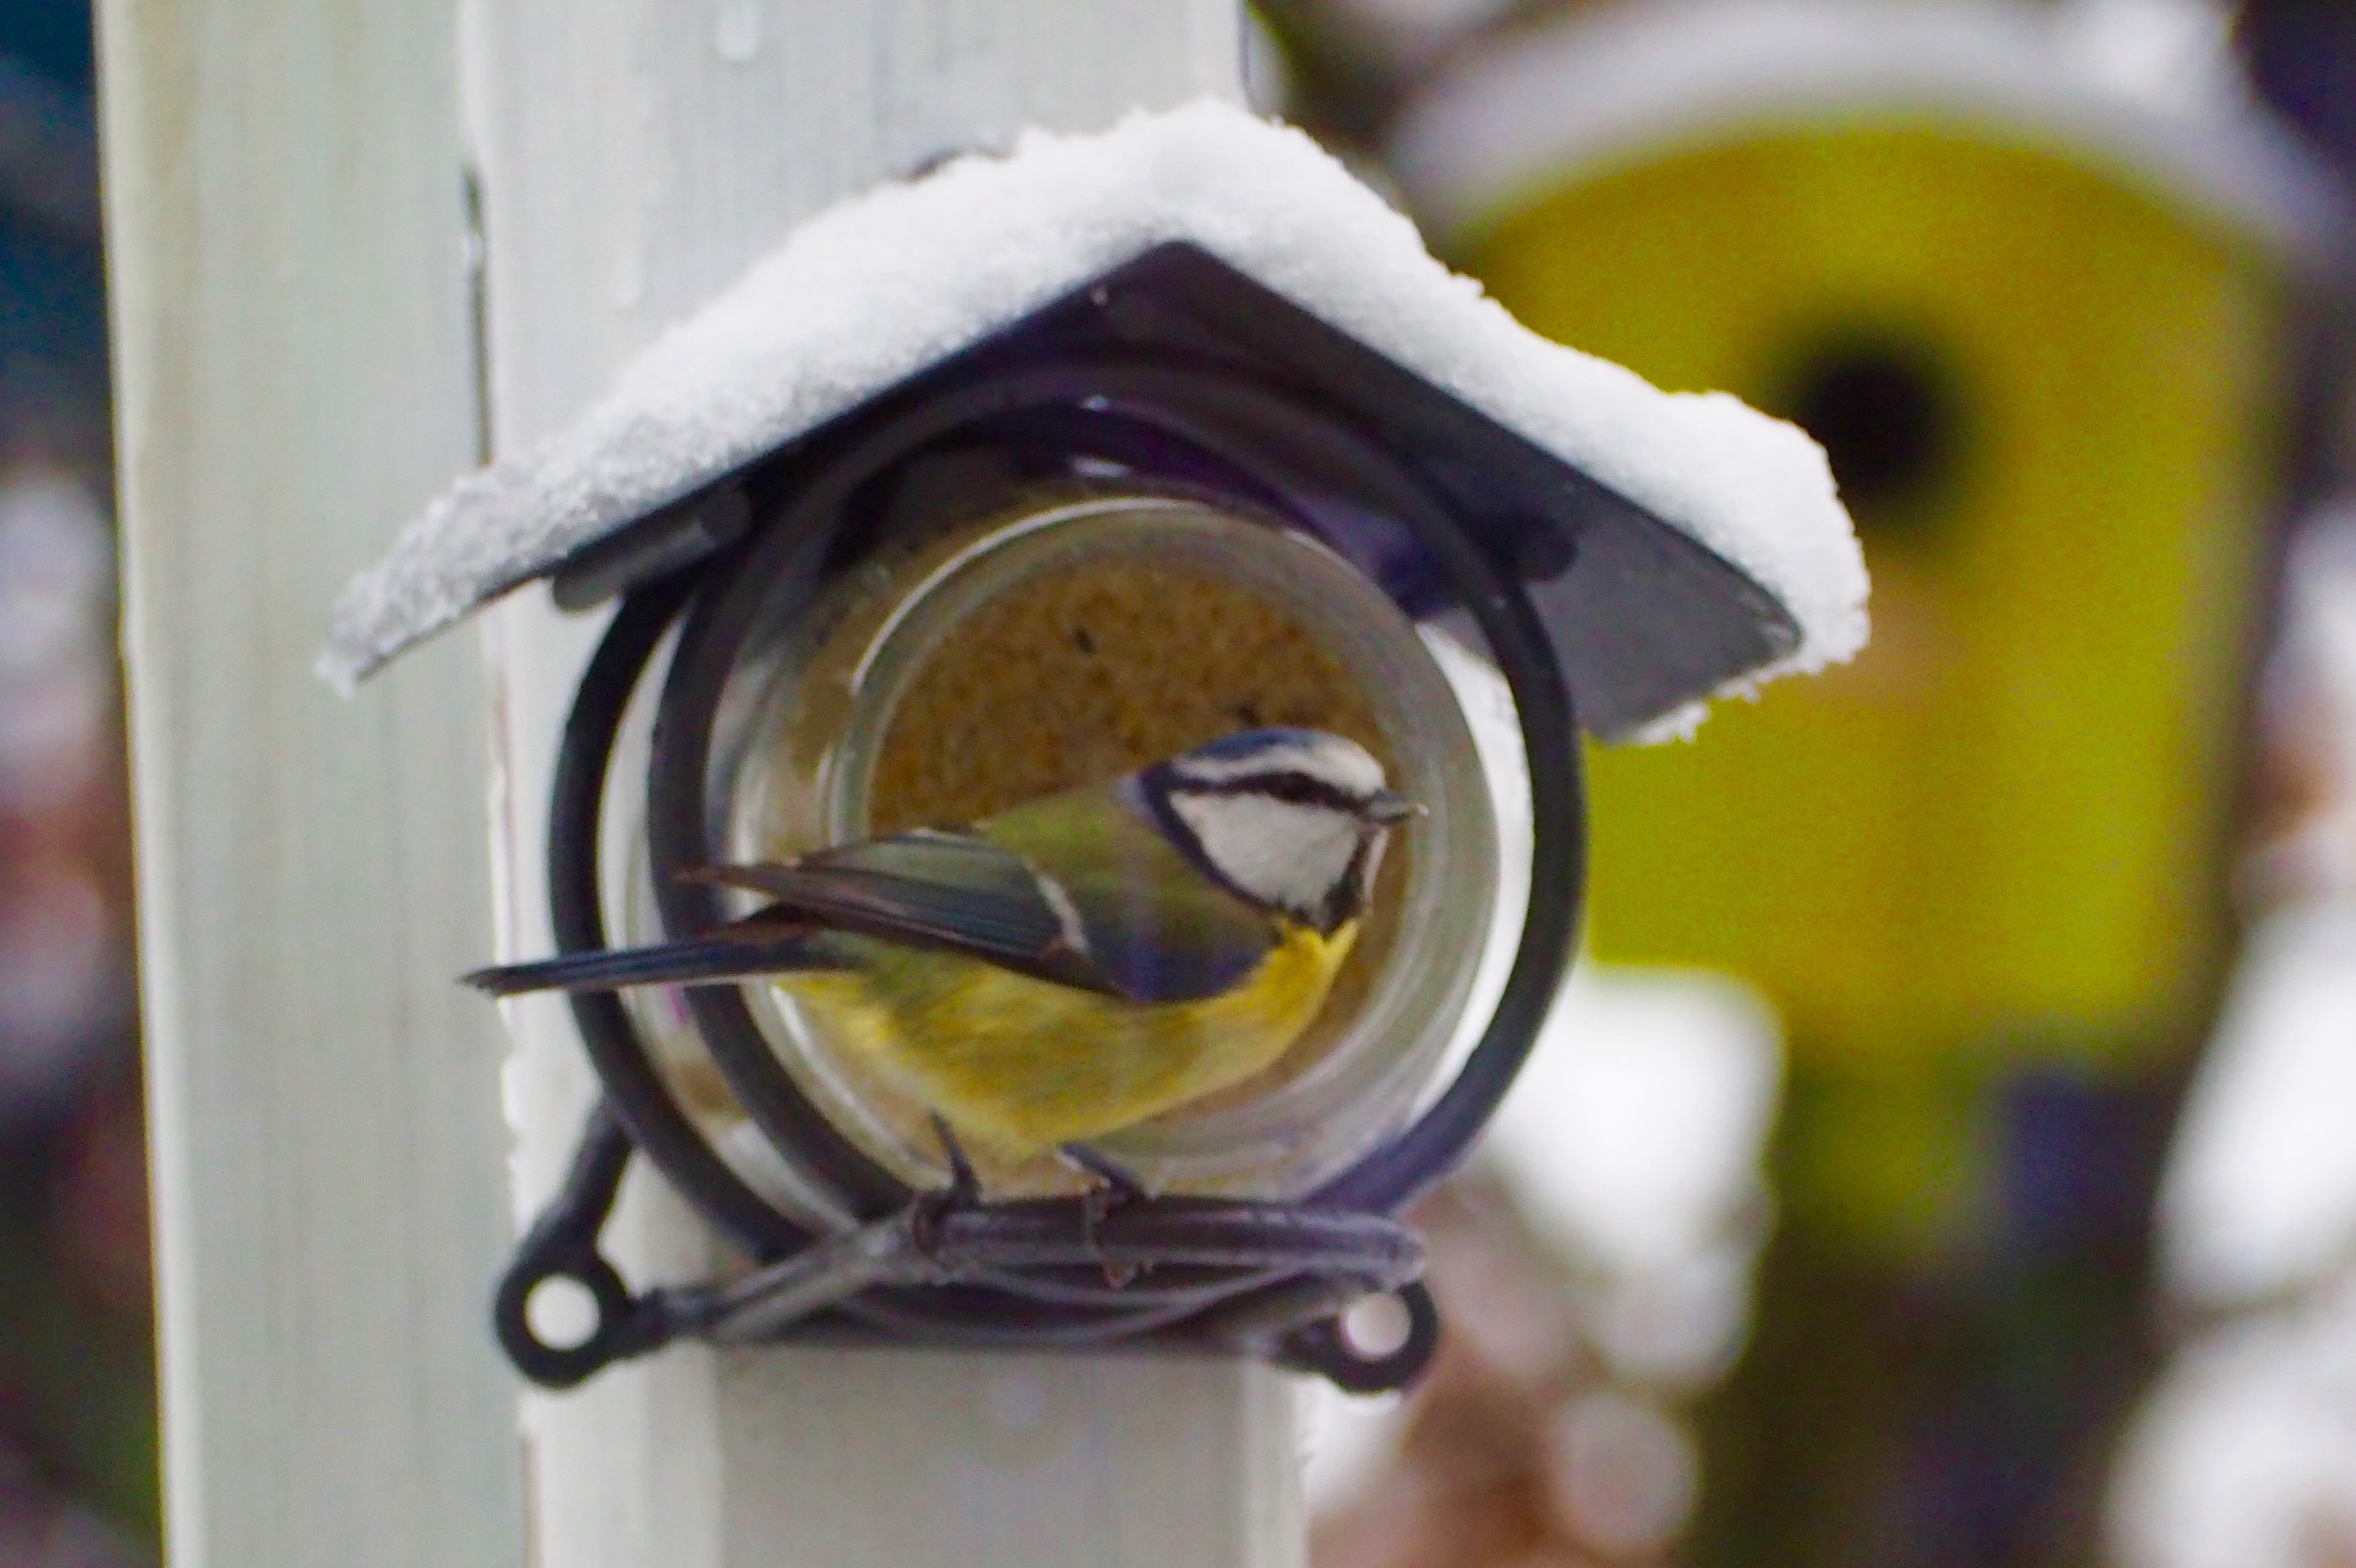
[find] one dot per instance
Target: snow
(2308, 710)
(2118, 84)
(2260, 1192)
(1634, 1143)
(877, 287)
(1636, 1132)
(2244, 1455)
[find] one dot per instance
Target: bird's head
(1292, 820)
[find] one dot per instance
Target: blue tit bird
(1074, 965)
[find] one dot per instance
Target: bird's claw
(928, 1215)
(965, 1185)
(1116, 1186)
(1116, 1183)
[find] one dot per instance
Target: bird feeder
(1095, 454)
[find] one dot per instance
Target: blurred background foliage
(77, 1477)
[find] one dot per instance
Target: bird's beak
(1387, 807)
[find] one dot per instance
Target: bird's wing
(1117, 929)
(948, 892)
(1157, 926)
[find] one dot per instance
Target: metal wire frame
(1173, 1273)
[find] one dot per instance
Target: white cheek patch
(1284, 854)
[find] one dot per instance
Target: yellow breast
(1022, 1065)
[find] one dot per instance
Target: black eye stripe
(1293, 789)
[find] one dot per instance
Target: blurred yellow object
(2055, 387)
(2008, 811)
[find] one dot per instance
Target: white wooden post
(295, 372)
(635, 155)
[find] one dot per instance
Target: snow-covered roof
(879, 286)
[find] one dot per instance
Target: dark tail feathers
(710, 961)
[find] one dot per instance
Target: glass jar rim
(1288, 1139)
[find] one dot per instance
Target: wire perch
(1206, 1274)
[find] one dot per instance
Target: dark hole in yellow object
(1887, 411)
